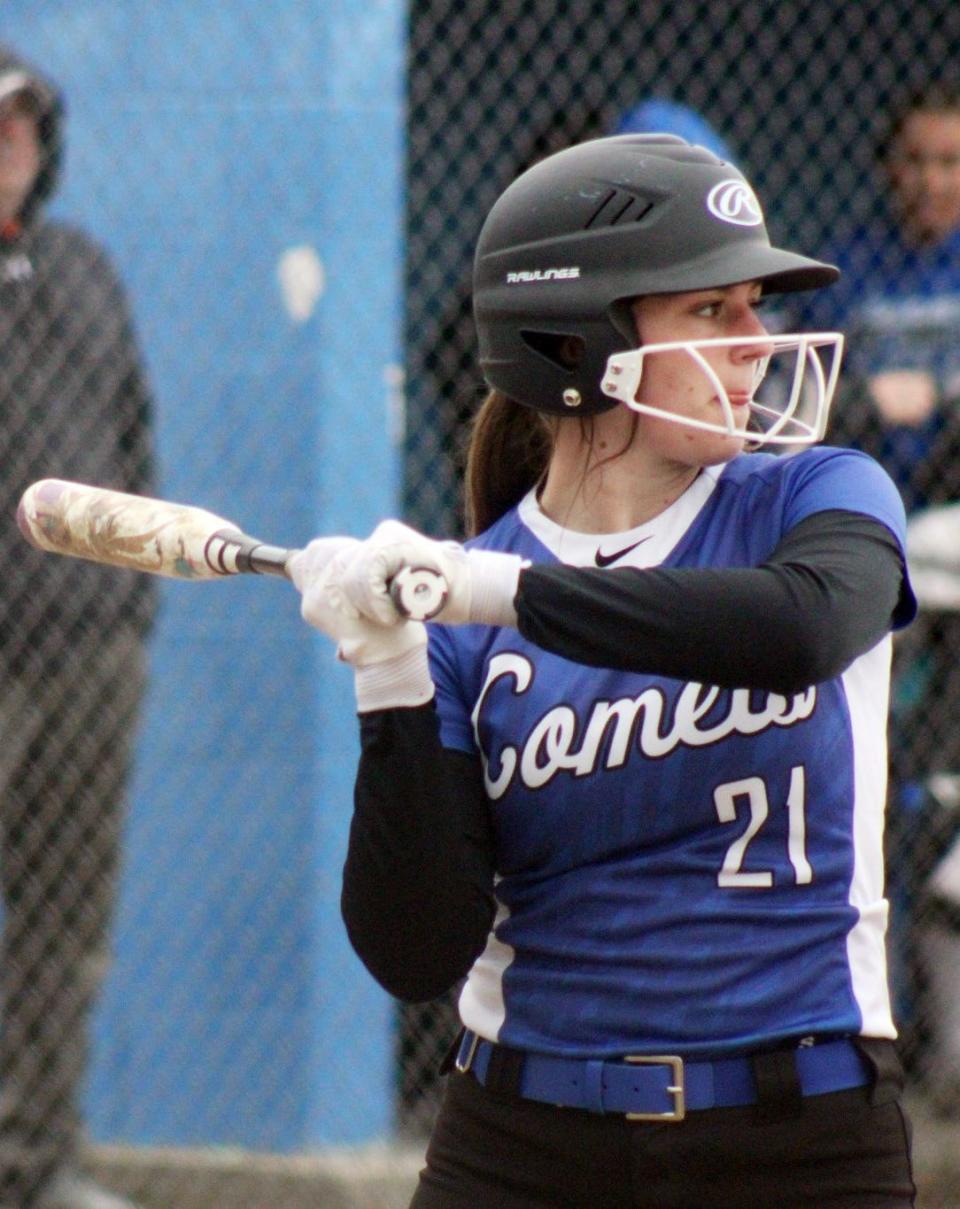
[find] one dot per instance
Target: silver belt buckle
(674, 1088)
(467, 1062)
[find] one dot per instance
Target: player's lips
(737, 398)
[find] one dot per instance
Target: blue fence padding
(204, 141)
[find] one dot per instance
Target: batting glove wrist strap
(494, 578)
(402, 681)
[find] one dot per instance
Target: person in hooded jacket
(75, 404)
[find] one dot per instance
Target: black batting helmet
(575, 238)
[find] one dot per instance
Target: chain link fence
(801, 95)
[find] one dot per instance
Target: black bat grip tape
(230, 552)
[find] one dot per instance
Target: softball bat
(179, 541)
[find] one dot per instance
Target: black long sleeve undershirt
(825, 595)
(417, 894)
(418, 880)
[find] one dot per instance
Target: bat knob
(418, 593)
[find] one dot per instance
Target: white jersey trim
(646, 545)
(482, 1006)
(866, 687)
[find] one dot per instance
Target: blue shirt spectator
(898, 302)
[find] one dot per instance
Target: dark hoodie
(74, 404)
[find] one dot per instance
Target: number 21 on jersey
(752, 792)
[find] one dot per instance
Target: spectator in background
(899, 302)
(73, 404)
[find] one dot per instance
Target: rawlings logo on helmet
(734, 201)
(524, 275)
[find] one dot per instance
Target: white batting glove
(390, 663)
(481, 584)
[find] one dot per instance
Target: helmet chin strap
(780, 425)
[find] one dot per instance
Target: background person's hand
(903, 396)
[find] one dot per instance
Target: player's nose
(752, 349)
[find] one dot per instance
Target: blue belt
(662, 1087)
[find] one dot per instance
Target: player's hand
(315, 572)
(389, 661)
(481, 584)
(308, 571)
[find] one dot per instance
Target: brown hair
(508, 452)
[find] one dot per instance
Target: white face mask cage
(797, 385)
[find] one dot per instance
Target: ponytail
(508, 453)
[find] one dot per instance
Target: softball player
(632, 789)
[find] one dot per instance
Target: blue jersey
(681, 868)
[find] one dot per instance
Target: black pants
(494, 1150)
(66, 738)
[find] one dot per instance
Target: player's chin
(727, 447)
(712, 448)
(731, 443)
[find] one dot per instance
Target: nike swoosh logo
(605, 560)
